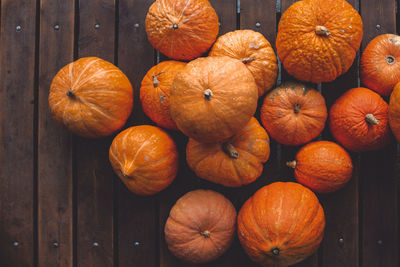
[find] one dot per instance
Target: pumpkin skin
(233, 163)
(91, 97)
(145, 158)
(293, 114)
(359, 120)
(154, 92)
(318, 40)
(380, 64)
(200, 226)
(394, 112)
(281, 224)
(322, 166)
(182, 29)
(254, 51)
(213, 98)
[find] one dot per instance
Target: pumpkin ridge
(261, 232)
(146, 142)
(332, 58)
(322, 177)
(81, 73)
(81, 83)
(95, 107)
(205, 157)
(238, 176)
(294, 49)
(153, 164)
(183, 224)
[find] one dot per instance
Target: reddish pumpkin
(359, 120)
(281, 224)
(200, 226)
(394, 112)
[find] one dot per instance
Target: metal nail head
(95, 244)
(341, 240)
(258, 24)
(378, 26)
(56, 27)
(18, 28)
(380, 242)
(136, 244)
(15, 244)
(96, 26)
(55, 244)
(136, 25)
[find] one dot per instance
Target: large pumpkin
(154, 92)
(91, 97)
(236, 162)
(200, 226)
(318, 39)
(293, 113)
(281, 224)
(394, 112)
(145, 158)
(380, 64)
(182, 29)
(359, 120)
(213, 98)
(254, 51)
(322, 166)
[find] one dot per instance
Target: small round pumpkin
(394, 112)
(359, 120)
(318, 39)
(281, 224)
(182, 29)
(293, 113)
(213, 98)
(145, 158)
(233, 163)
(380, 64)
(155, 89)
(322, 166)
(200, 226)
(254, 51)
(91, 97)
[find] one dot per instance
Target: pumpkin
(293, 113)
(254, 51)
(359, 120)
(318, 40)
(154, 92)
(145, 158)
(322, 166)
(213, 98)
(91, 97)
(234, 163)
(394, 112)
(380, 66)
(182, 29)
(281, 224)
(200, 226)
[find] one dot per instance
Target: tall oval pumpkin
(394, 112)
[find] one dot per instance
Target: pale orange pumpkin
(394, 112)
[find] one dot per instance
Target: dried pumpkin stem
(175, 26)
(291, 164)
(322, 31)
(205, 233)
(208, 94)
(156, 82)
(371, 119)
(126, 176)
(70, 93)
(230, 150)
(390, 60)
(296, 108)
(246, 60)
(275, 251)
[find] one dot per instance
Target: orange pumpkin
(293, 113)
(91, 97)
(213, 98)
(318, 39)
(145, 158)
(182, 29)
(154, 92)
(254, 51)
(233, 163)
(200, 226)
(281, 224)
(380, 64)
(322, 166)
(394, 112)
(359, 120)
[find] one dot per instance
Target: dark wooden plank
(137, 216)
(17, 138)
(55, 181)
(95, 243)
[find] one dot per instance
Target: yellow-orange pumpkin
(145, 158)
(91, 97)
(394, 112)
(281, 224)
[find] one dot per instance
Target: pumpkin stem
(230, 150)
(390, 60)
(246, 60)
(208, 94)
(175, 26)
(371, 119)
(275, 251)
(291, 164)
(205, 233)
(322, 31)
(156, 82)
(70, 93)
(296, 108)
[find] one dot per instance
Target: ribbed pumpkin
(213, 98)
(155, 89)
(200, 226)
(281, 224)
(145, 159)
(318, 39)
(233, 163)
(359, 120)
(380, 64)
(293, 113)
(182, 29)
(254, 51)
(91, 97)
(394, 112)
(322, 166)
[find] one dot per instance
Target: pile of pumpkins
(213, 99)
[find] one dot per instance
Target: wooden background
(61, 204)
